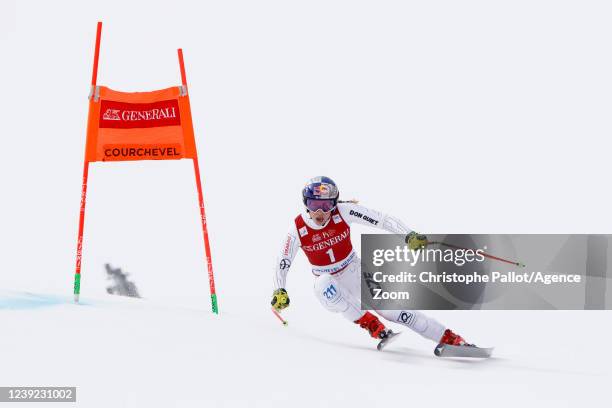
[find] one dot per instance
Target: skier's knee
(329, 293)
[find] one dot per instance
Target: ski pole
(285, 323)
(482, 253)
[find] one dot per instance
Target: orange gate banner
(139, 125)
(154, 125)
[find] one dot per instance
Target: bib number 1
(332, 258)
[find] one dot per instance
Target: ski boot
(376, 329)
(453, 345)
(453, 339)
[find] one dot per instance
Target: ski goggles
(323, 205)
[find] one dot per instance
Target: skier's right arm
(290, 246)
(280, 297)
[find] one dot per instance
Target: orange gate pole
(196, 168)
(79, 251)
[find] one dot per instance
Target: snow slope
(137, 353)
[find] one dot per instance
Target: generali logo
(124, 115)
(111, 114)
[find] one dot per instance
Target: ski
(446, 350)
(388, 339)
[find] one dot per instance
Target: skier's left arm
(366, 216)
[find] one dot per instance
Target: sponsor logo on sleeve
(357, 214)
(284, 264)
(288, 245)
